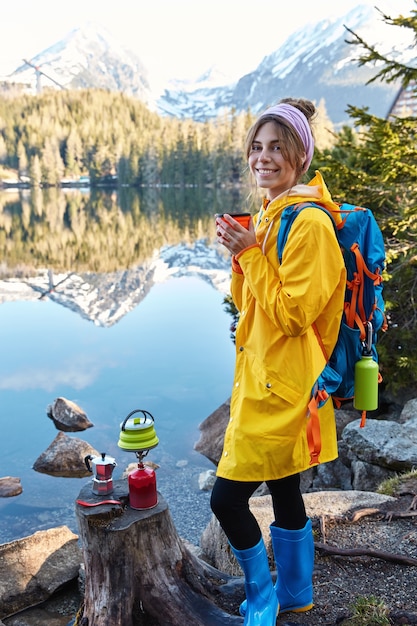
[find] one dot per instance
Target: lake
(167, 350)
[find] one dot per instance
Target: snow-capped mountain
(210, 93)
(105, 299)
(88, 57)
(315, 62)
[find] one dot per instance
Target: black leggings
(230, 504)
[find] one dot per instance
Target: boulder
(212, 431)
(409, 410)
(67, 416)
(33, 568)
(343, 503)
(332, 475)
(65, 457)
(384, 443)
(206, 480)
(344, 417)
(368, 477)
(10, 486)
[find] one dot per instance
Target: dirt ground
(339, 580)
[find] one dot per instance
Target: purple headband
(299, 122)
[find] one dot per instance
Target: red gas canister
(142, 488)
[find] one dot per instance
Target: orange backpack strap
(313, 426)
(313, 423)
(354, 310)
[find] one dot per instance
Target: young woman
(288, 313)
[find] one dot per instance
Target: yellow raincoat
(278, 355)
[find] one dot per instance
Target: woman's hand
(233, 235)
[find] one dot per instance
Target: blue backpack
(363, 250)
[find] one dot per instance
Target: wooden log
(138, 570)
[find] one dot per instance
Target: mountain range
(314, 62)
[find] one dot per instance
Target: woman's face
(268, 166)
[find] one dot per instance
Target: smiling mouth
(265, 172)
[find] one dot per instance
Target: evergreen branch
(392, 70)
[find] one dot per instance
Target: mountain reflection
(100, 253)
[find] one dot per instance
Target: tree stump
(138, 571)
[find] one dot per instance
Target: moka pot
(102, 469)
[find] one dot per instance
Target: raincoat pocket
(274, 383)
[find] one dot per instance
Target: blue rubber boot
(262, 601)
(294, 557)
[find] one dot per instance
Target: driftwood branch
(378, 554)
(393, 515)
(389, 515)
(366, 512)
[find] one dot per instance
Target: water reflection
(103, 231)
(70, 257)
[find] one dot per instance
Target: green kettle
(137, 432)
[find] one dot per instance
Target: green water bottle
(366, 378)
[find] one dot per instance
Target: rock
(368, 477)
(33, 568)
(343, 418)
(342, 503)
(212, 431)
(65, 457)
(10, 486)
(333, 475)
(307, 480)
(216, 549)
(409, 410)
(206, 480)
(67, 416)
(384, 443)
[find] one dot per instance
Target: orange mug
(243, 218)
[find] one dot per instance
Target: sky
(175, 39)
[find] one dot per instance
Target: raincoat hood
(316, 191)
